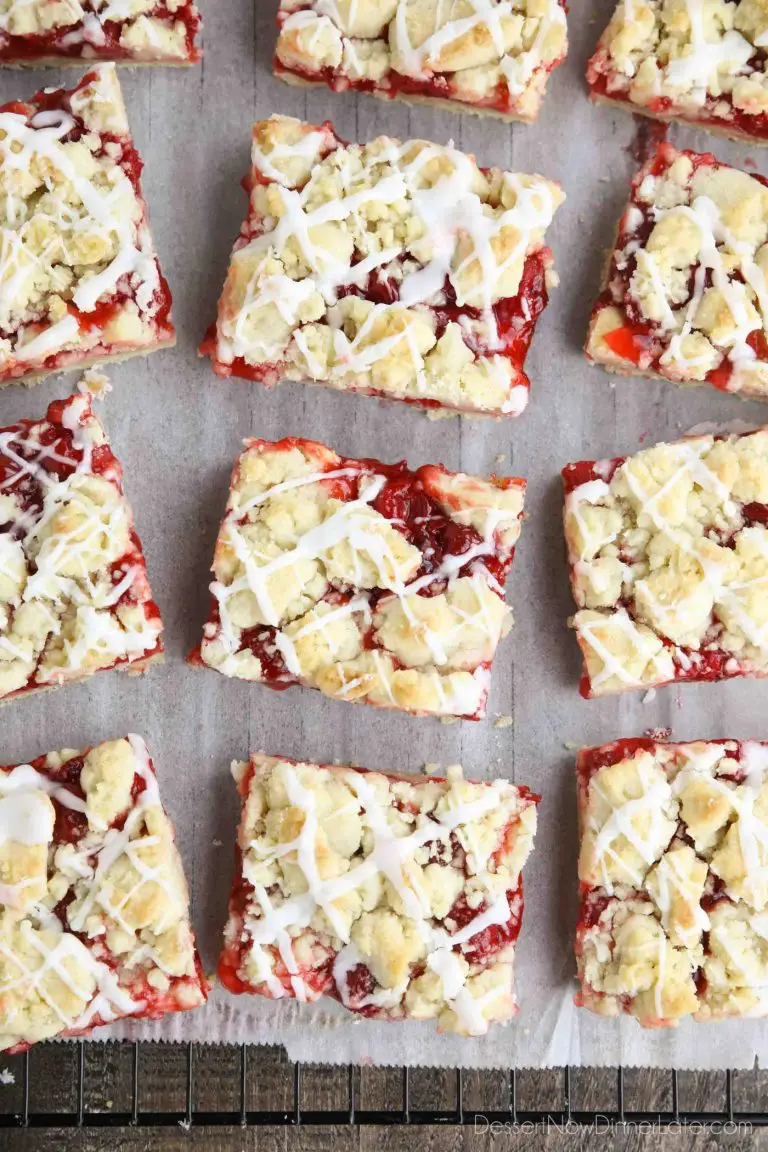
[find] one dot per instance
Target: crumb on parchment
(503, 722)
(95, 383)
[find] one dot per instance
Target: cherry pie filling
(406, 503)
(642, 342)
(709, 662)
(64, 41)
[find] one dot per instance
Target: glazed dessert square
(395, 269)
(94, 908)
(369, 581)
(673, 872)
(701, 61)
(79, 278)
(74, 593)
(399, 896)
(57, 32)
(685, 294)
(668, 554)
(490, 58)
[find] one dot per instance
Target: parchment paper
(177, 428)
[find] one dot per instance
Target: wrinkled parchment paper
(177, 428)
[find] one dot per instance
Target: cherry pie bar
(668, 552)
(673, 872)
(40, 32)
(79, 278)
(368, 581)
(700, 61)
(685, 295)
(74, 594)
(485, 56)
(396, 269)
(399, 896)
(94, 908)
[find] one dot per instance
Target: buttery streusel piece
(400, 896)
(668, 554)
(491, 57)
(74, 593)
(94, 908)
(674, 880)
(56, 32)
(369, 581)
(685, 295)
(400, 270)
(702, 61)
(79, 278)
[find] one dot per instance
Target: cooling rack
(736, 1100)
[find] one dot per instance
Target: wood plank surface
(270, 1086)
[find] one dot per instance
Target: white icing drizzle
(705, 58)
(110, 999)
(65, 549)
(352, 524)
(269, 929)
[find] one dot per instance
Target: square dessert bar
(668, 553)
(685, 294)
(700, 61)
(79, 278)
(673, 872)
(395, 269)
(57, 32)
(399, 896)
(94, 908)
(74, 593)
(488, 57)
(368, 581)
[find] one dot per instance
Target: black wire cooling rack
(512, 1104)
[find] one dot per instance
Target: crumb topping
(74, 594)
(401, 269)
(407, 907)
(668, 552)
(94, 910)
(367, 581)
(674, 878)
